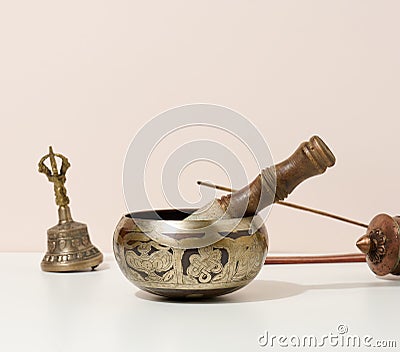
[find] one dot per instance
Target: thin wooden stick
(212, 185)
(312, 259)
(292, 205)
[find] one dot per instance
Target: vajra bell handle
(58, 178)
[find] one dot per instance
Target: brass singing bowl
(169, 264)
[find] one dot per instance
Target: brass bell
(68, 243)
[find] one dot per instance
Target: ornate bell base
(66, 267)
(69, 249)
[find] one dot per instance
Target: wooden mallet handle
(277, 182)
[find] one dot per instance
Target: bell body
(69, 249)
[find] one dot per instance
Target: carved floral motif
(378, 250)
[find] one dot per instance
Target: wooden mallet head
(381, 244)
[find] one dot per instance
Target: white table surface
(102, 311)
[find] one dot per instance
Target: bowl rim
(212, 230)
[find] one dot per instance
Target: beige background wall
(86, 75)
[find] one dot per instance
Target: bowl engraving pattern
(204, 264)
(232, 261)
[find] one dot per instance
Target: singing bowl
(168, 268)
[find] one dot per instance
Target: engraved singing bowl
(169, 267)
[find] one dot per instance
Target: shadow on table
(267, 290)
